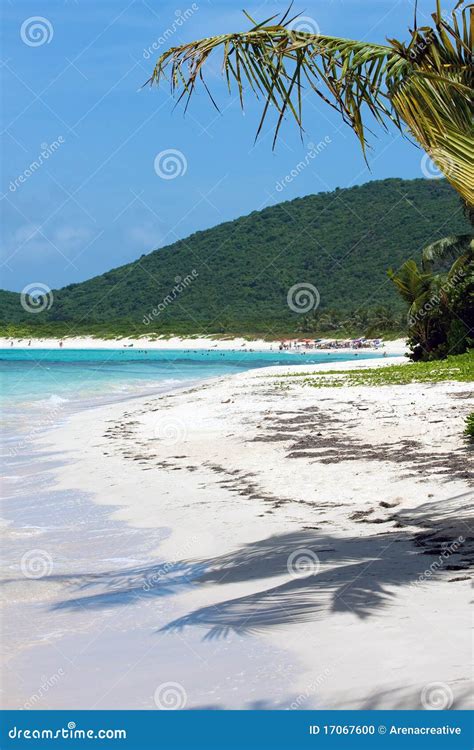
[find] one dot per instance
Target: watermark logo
(36, 298)
(36, 31)
(36, 563)
(180, 18)
(302, 298)
(168, 567)
(437, 696)
(311, 690)
(450, 549)
(417, 316)
(305, 25)
(170, 431)
(47, 150)
(421, 45)
(47, 683)
(170, 696)
(314, 150)
(170, 164)
(435, 165)
(71, 731)
(50, 419)
(302, 563)
(181, 283)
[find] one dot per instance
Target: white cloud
(28, 241)
(145, 236)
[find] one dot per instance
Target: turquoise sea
(85, 375)
(40, 387)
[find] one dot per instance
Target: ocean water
(35, 377)
(39, 388)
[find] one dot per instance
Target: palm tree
(382, 318)
(424, 85)
(440, 255)
(440, 296)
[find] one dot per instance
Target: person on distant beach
(60, 344)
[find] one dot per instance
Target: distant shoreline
(397, 346)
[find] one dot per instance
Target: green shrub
(469, 430)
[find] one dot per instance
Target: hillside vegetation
(235, 277)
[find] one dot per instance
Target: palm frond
(440, 255)
(425, 84)
(281, 66)
(436, 99)
(411, 282)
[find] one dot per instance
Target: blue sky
(72, 89)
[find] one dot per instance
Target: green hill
(235, 277)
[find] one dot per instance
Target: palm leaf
(425, 84)
(440, 255)
(435, 101)
(411, 282)
(282, 66)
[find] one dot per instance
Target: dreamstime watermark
(36, 31)
(305, 25)
(303, 297)
(50, 418)
(36, 563)
(181, 283)
(36, 297)
(163, 39)
(46, 684)
(310, 690)
(448, 15)
(421, 45)
(170, 431)
(437, 565)
(437, 696)
(303, 562)
(71, 732)
(170, 163)
(169, 566)
(435, 300)
(170, 696)
(314, 150)
(436, 165)
(47, 150)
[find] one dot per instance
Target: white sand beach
(397, 346)
(316, 553)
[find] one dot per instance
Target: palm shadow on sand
(358, 574)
